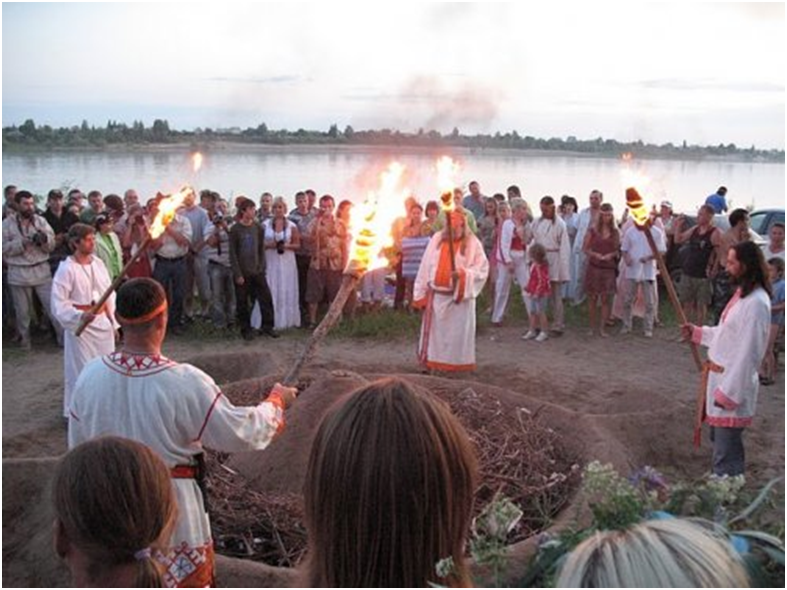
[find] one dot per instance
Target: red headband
(144, 318)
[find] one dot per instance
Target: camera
(39, 239)
(218, 219)
(280, 246)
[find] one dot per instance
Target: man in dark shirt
(247, 257)
(60, 220)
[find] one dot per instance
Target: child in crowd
(537, 291)
(776, 274)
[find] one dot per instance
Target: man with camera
(217, 249)
(27, 242)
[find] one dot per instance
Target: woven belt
(184, 472)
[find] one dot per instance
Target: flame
(371, 221)
(167, 206)
(637, 208)
(196, 161)
(447, 170)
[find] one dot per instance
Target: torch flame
(196, 161)
(371, 221)
(447, 170)
(637, 208)
(167, 206)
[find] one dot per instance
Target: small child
(537, 292)
(776, 273)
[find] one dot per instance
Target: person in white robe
(448, 298)
(282, 240)
(736, 347)
(640, 274)
(79, 282)
(550, 231)
(175, 409)
(511, 261)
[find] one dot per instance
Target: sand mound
(226, 368)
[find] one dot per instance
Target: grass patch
(383, 324)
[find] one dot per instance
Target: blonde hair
(280, 201)
(672, 553)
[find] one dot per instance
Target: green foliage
(617, 503)
(382, 324)
(86, 135)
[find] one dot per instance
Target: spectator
(108, 248)
(95, 206)
(265, 211)
(196, 260)
(588, 218)
(114, 207)
(9, 200)
(721, 283)
(569, 214)
(469, 217)
(131, 240)
(474, 202)
(669, 553)
(367, 526)
(775, 247)
(718, 200)
(76, 197)
(550, 231)
(311, 198)
(60, 220)
(432, 211)
(513, 192)
(27, 243)
(397, 231)
(776, 276)
(538, 290)
(640, 272)
(247, 257)
(515, 234)
(217, 250)
(601, 248)
(303, 217)
(114, 512)
(329, 257)
(282, 240)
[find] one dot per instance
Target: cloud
(284, 79)
(687, 84)
(450, 14)
(769, 11)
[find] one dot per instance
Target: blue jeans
(222, 286)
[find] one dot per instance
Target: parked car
(763, 219)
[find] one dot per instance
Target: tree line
(30, 135)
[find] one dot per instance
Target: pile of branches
(519, 457)
(249, 524)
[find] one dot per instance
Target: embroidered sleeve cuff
(723, 400)
(696, 335)
(275, 400)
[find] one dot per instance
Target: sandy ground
(627, 400)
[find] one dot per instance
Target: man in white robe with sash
(448, 297)
(736, 346)
(79, 282)
(175, 409)
(550, 231)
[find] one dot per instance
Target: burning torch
(639, 214)
(167, 206)
(371, 229)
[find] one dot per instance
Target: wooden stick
(450, 240)
(349, 284)
(673, 295)
(115, 284)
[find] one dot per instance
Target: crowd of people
(238, 263)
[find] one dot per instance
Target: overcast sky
(706, 73)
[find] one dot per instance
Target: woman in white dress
(282, 239)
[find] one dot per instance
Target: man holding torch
(175, 409)
(735, 350)
(78, 284)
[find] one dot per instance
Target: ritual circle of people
(263, 269)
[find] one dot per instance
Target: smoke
(432, 103)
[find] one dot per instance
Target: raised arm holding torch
(167, 205)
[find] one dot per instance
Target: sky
(661, 72)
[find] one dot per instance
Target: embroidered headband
(143, 318)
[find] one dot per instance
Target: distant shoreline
(229, 146)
